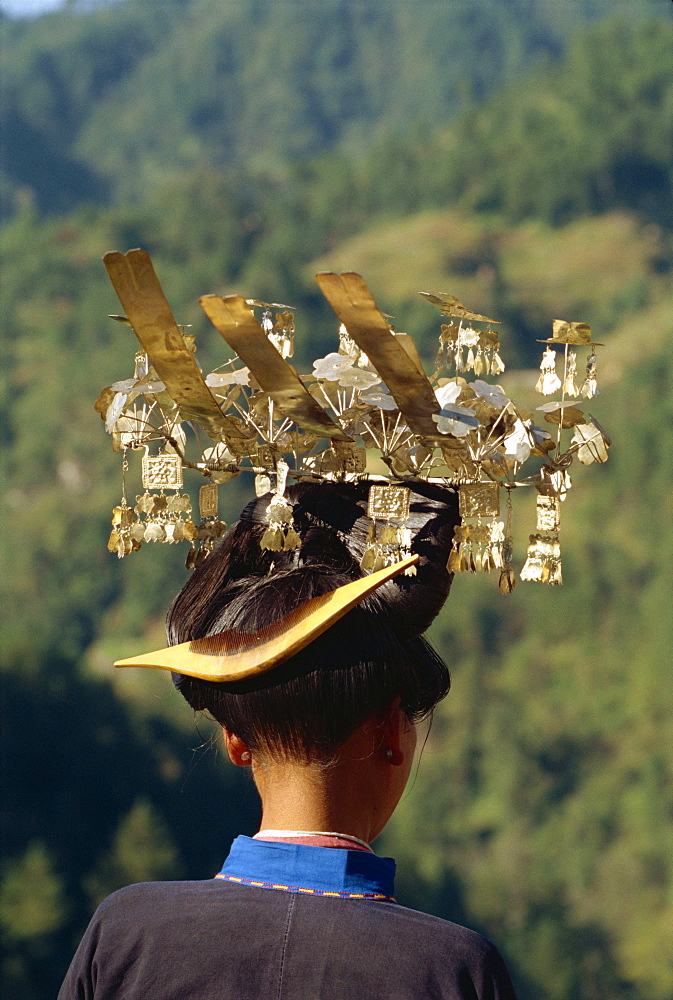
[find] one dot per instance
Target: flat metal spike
(135, 282)
(395, 361)
(233, 318)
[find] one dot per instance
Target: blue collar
(318, 871)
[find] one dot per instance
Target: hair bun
(241, 585)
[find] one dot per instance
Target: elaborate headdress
(366, 407)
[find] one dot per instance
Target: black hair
(306, 707)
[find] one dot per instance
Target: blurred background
(516, 153)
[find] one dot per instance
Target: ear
(236, 748)
(394, 723)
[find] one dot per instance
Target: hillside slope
(113, 101)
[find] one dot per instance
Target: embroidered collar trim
(318, 871)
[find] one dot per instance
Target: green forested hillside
(549, 771)
(121, 99)
(511, 153)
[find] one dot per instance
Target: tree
(142, 851)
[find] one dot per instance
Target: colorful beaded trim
(309, 892)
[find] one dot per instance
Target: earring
(246, 755)
(389, 754)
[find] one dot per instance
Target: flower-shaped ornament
(331, 366)
(453, 419)
(379, 397)
(239, 377)
(341, 368)
(519, 442)
(494, 395)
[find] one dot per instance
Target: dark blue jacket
(224, 940)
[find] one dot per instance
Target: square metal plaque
(479, 499)
(162, 472)
(548, 515)
(389, 503)
(208, 505)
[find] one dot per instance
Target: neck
(304, 798)
(352, 796)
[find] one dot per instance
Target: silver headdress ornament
(369, 401)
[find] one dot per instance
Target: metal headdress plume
(370, 398)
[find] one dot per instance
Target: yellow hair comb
(234, 655)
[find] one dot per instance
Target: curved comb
(234, 655)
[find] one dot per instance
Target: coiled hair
(306, 707)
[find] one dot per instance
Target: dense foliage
(407, 142)
(118, 102)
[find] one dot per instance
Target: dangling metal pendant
(388, 540)
(209, 529)
(280, 534)
(590, 386)
(569, 384)
(543, 562)
(478, 548)
(548, 381)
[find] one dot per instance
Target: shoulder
(134, 925)
(442, 952)
(435, 933)
(147, 912)
(410, 948)
(154, 894)
(450, 953)
(149, 915)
